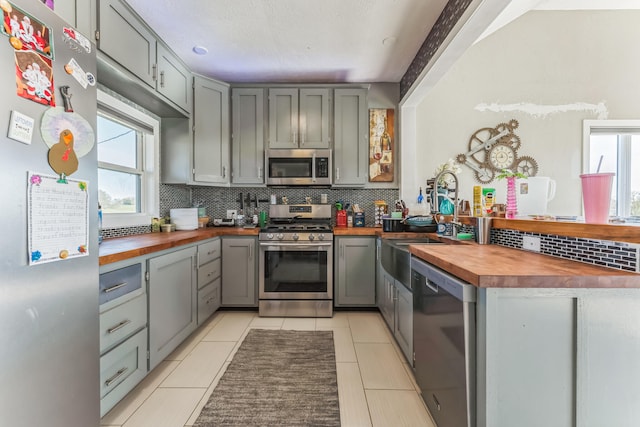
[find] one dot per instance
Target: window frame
(623, 175)
(148, 148)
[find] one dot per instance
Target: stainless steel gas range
(296, 262)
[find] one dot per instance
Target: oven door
(296, 271)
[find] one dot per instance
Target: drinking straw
(599, 164)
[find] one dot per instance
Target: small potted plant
(511, 209)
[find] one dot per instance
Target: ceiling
(294, 40)
(328, 41)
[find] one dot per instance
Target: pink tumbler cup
(596, 196)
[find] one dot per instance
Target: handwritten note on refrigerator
(58, 218)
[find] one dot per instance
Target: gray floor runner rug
(277, 378)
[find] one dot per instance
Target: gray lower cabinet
(395, 302)
(210, 132)
(351, 138)
(573, 352)
(247, 136)
(239, 265)
(123, 331)
(128, 41)
(172, 301)
(403, 325)
(355, 271)
(209, 278)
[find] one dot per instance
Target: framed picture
(381, 144)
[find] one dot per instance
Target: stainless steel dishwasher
(444, 344)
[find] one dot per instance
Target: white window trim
(624, 157)
(150, 205)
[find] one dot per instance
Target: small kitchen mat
(277, 378)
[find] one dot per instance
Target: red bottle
(341, 218)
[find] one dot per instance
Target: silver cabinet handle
(337, 174)
(117, 375)
(250, 252)
(154, 72)
(161, 78)
(224, 171)
(118, 326)
(259, 172)
(115, 287)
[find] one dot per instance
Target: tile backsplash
(618, 255)
(605, 253)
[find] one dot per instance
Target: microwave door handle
(313, 167)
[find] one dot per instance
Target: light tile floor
(376, 386)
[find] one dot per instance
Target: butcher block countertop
(121, 248)
(493, 266)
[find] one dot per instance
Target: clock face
(502, 156)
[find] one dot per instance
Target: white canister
(533, 194)
(273, 199)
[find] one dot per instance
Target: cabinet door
(126, 40)
(247, 136)
(172, 301)
(239, 272)
(356, 271)
(350, 151)
(174, 79)
(314, 118)
(283, 118)
(211, 132)
(403, 329)
(387, 304)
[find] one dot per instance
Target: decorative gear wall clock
(492, 149)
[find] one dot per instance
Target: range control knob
(311, 237)
(295, 236)
(320, 236)
(270, 236)
(280, 236)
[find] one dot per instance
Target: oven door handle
(276, 246)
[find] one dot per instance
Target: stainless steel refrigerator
(49, 339)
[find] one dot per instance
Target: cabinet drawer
(208, 252)
(208, 272)
(119, 282)
(121, 369)
(121, 321)
(208, 300)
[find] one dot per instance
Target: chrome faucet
(434, 199)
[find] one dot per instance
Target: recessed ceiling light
(388, 41)
(200, 50)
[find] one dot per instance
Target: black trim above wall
(441, 29)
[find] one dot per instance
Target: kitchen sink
(396, 258)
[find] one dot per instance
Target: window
(614, 146)
(127, 141)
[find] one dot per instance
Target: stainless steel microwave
(298, 166)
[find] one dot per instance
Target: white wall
(550, 70)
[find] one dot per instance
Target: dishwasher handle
(444, 281)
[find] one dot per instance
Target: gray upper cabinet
(174, 79)
(299, 118)
(210, 132)
(350, 151)
(127, 40)
(355, 271)
(247, 136)
(77, 13)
